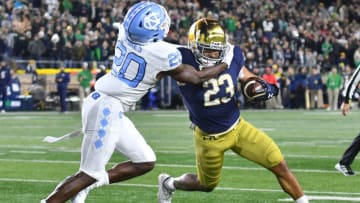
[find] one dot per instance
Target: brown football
(252, 88)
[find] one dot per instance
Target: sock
(104, 181)
(170, 183)
(302, 199)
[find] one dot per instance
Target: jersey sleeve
(239, 56)
(172, 56)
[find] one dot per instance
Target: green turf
(312, 142)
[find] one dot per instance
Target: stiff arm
(188, 74)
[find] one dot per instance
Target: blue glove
(266, 92)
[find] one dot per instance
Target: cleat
(344, 169)
(164, 193)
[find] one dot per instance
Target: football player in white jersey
(141, 59)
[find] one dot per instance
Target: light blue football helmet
(146, 22)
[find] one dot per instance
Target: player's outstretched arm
(188, 74)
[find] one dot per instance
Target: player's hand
(345, 108)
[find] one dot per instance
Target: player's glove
(256, 89)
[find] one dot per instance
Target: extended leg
(127, 170)
(74, 184)
(187, 182)
(70, 187)
(288, 181)
(190, 182)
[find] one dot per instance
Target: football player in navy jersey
(215, 115)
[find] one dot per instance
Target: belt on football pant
(216, 136)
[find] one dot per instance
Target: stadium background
(285, 36)
(312, 141)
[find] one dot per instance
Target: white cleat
(164, 193)
(42, 201)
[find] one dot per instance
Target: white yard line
(338, 198)
(177, 150)
(328, 197)
(169, 165)
(27, 152)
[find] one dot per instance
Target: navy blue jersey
(213, 105)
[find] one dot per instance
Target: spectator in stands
(52, 6)
(105, 53)
(307, 32)
(82, 9)
(67, 5)
(78, 51)
(55, 47)
(62, 80)
(5, 78)
(268, 26)
(300, 87)
(315, 85)
(84, 77)
(342, 61)
(66, 54)
(94, 47)
(333, 84)
(14, 86)
(36, 47)
(326, 47)
(31, 69)
(289, 88)
(270, 78)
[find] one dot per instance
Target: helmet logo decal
(152, 21)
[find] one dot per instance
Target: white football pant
(106, 128)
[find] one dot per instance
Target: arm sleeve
(351, 85)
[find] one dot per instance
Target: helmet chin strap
(207, 62)
(204, 63)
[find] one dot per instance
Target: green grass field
(312, 142)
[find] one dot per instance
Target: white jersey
(135, 68)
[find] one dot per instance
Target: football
(252, 88)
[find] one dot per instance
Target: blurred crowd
(299, 42)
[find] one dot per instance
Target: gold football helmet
(207, 35)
